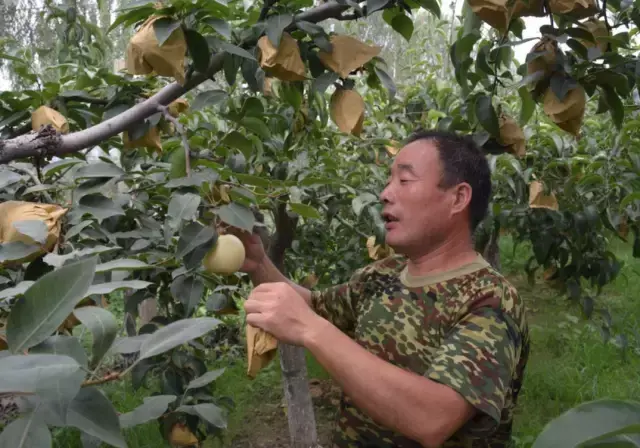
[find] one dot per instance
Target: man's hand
(278, 309)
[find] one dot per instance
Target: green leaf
(130, 344)
(375, 5)
(628, 199)
(313, 29)
(108, 288)
(208, 411)
(561, 83)
(359, 202)
(487, 116)
(163, 28)
(124, 264)
(17, 250)
(56, 260)
(580, 33)
(589, 421)
(431, 5)
(93, 413)
(322, 82)
(188, 291)
(256, 126)
(528, 105)
(151, 408)
(304, 210)
(182, 207)
(62, 345)
(205, 379)
(175, 334)
(99, 169)
(237, 162)
(616, 108)
(8, 177)
(193, 236)
(198, 50)
(236, 215)
(34, 373)
(47, 303)
(99, 206)
(403, 25)
(223, 28)
(238, 141)
(103, 327)
(275, 25)
(19, 289)
(387, 81)
(233, 49)
(208, 98)
(33, 228)
(26, 432)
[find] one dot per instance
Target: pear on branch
(578, 9)
(598, 29)
(145, 55)
(347, 110)
(512, 136)
(45, 115)
(546, 61)
(569, 112)
(15, 226)
(283, 62)
(538, 199)
(348, 54)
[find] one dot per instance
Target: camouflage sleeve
(477, 359)
(338, 304)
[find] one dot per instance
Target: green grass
(569, 364)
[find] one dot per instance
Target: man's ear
(461, 197)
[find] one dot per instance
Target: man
(429, 346)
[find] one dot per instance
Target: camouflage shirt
(465, 328)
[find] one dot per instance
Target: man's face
(418, 214)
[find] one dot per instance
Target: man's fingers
(256, 320)
(252, 305)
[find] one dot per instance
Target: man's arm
(410, 404)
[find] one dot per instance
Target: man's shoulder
(391, 265)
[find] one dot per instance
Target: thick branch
(31, 144)
(283, 237)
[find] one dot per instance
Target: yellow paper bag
(347, 110)
(44, 115)
(493, 12)
(545, 63)
(177, 107)
(567, 114)
(537, 198)
(261, 349)
(578, 9)
(378, 251)
(283, 62)
(348, 54)
(599, 29)
(150, 140)
(145, 55)
(14, 211)
(511, 135)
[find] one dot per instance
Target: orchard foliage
(210, 124)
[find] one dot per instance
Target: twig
(35, 180)
(105, 379)
(183, 134)
(265, 9)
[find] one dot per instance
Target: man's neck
(452, 253)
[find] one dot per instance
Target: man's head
(439, 187)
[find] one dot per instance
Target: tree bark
(491, 251)
(301, 416)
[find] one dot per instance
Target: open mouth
(389, 218)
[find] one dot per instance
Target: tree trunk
(491, 251)
(300, 413)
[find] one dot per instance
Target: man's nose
(386, 195)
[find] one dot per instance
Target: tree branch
(36, 143)
(283, 237)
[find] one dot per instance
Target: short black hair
(462, 161)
